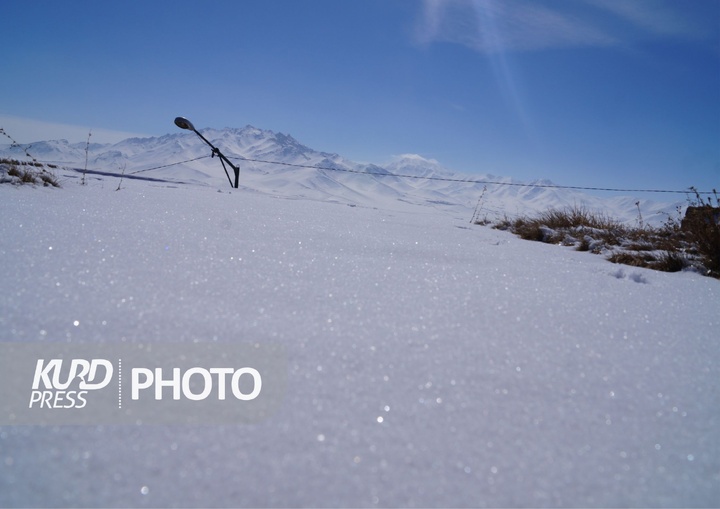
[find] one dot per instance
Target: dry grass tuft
(669, 248)
(26, 173)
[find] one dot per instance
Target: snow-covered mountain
(278, 164)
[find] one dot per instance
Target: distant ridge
(373, 189)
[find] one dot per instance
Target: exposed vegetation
(703, 226)
(17, 172)
(693, 243)
(26, 172)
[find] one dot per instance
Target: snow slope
(431, 363)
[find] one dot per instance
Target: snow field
(431, 362)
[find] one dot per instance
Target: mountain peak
(416, 164)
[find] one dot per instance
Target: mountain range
(276, 163)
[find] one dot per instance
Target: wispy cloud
(491, 26)
(652, 17)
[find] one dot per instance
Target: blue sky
(618, 93)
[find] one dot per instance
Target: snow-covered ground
(430, 362)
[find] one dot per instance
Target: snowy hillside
(430, 363)
(370, 187)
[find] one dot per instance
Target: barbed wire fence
(13, 143)
(168, 165)
(376, 174)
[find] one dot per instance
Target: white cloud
(653, 17)
(492, 26)
(25, 130)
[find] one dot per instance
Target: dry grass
(28, 173)
(703, 229)
(668, 248)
